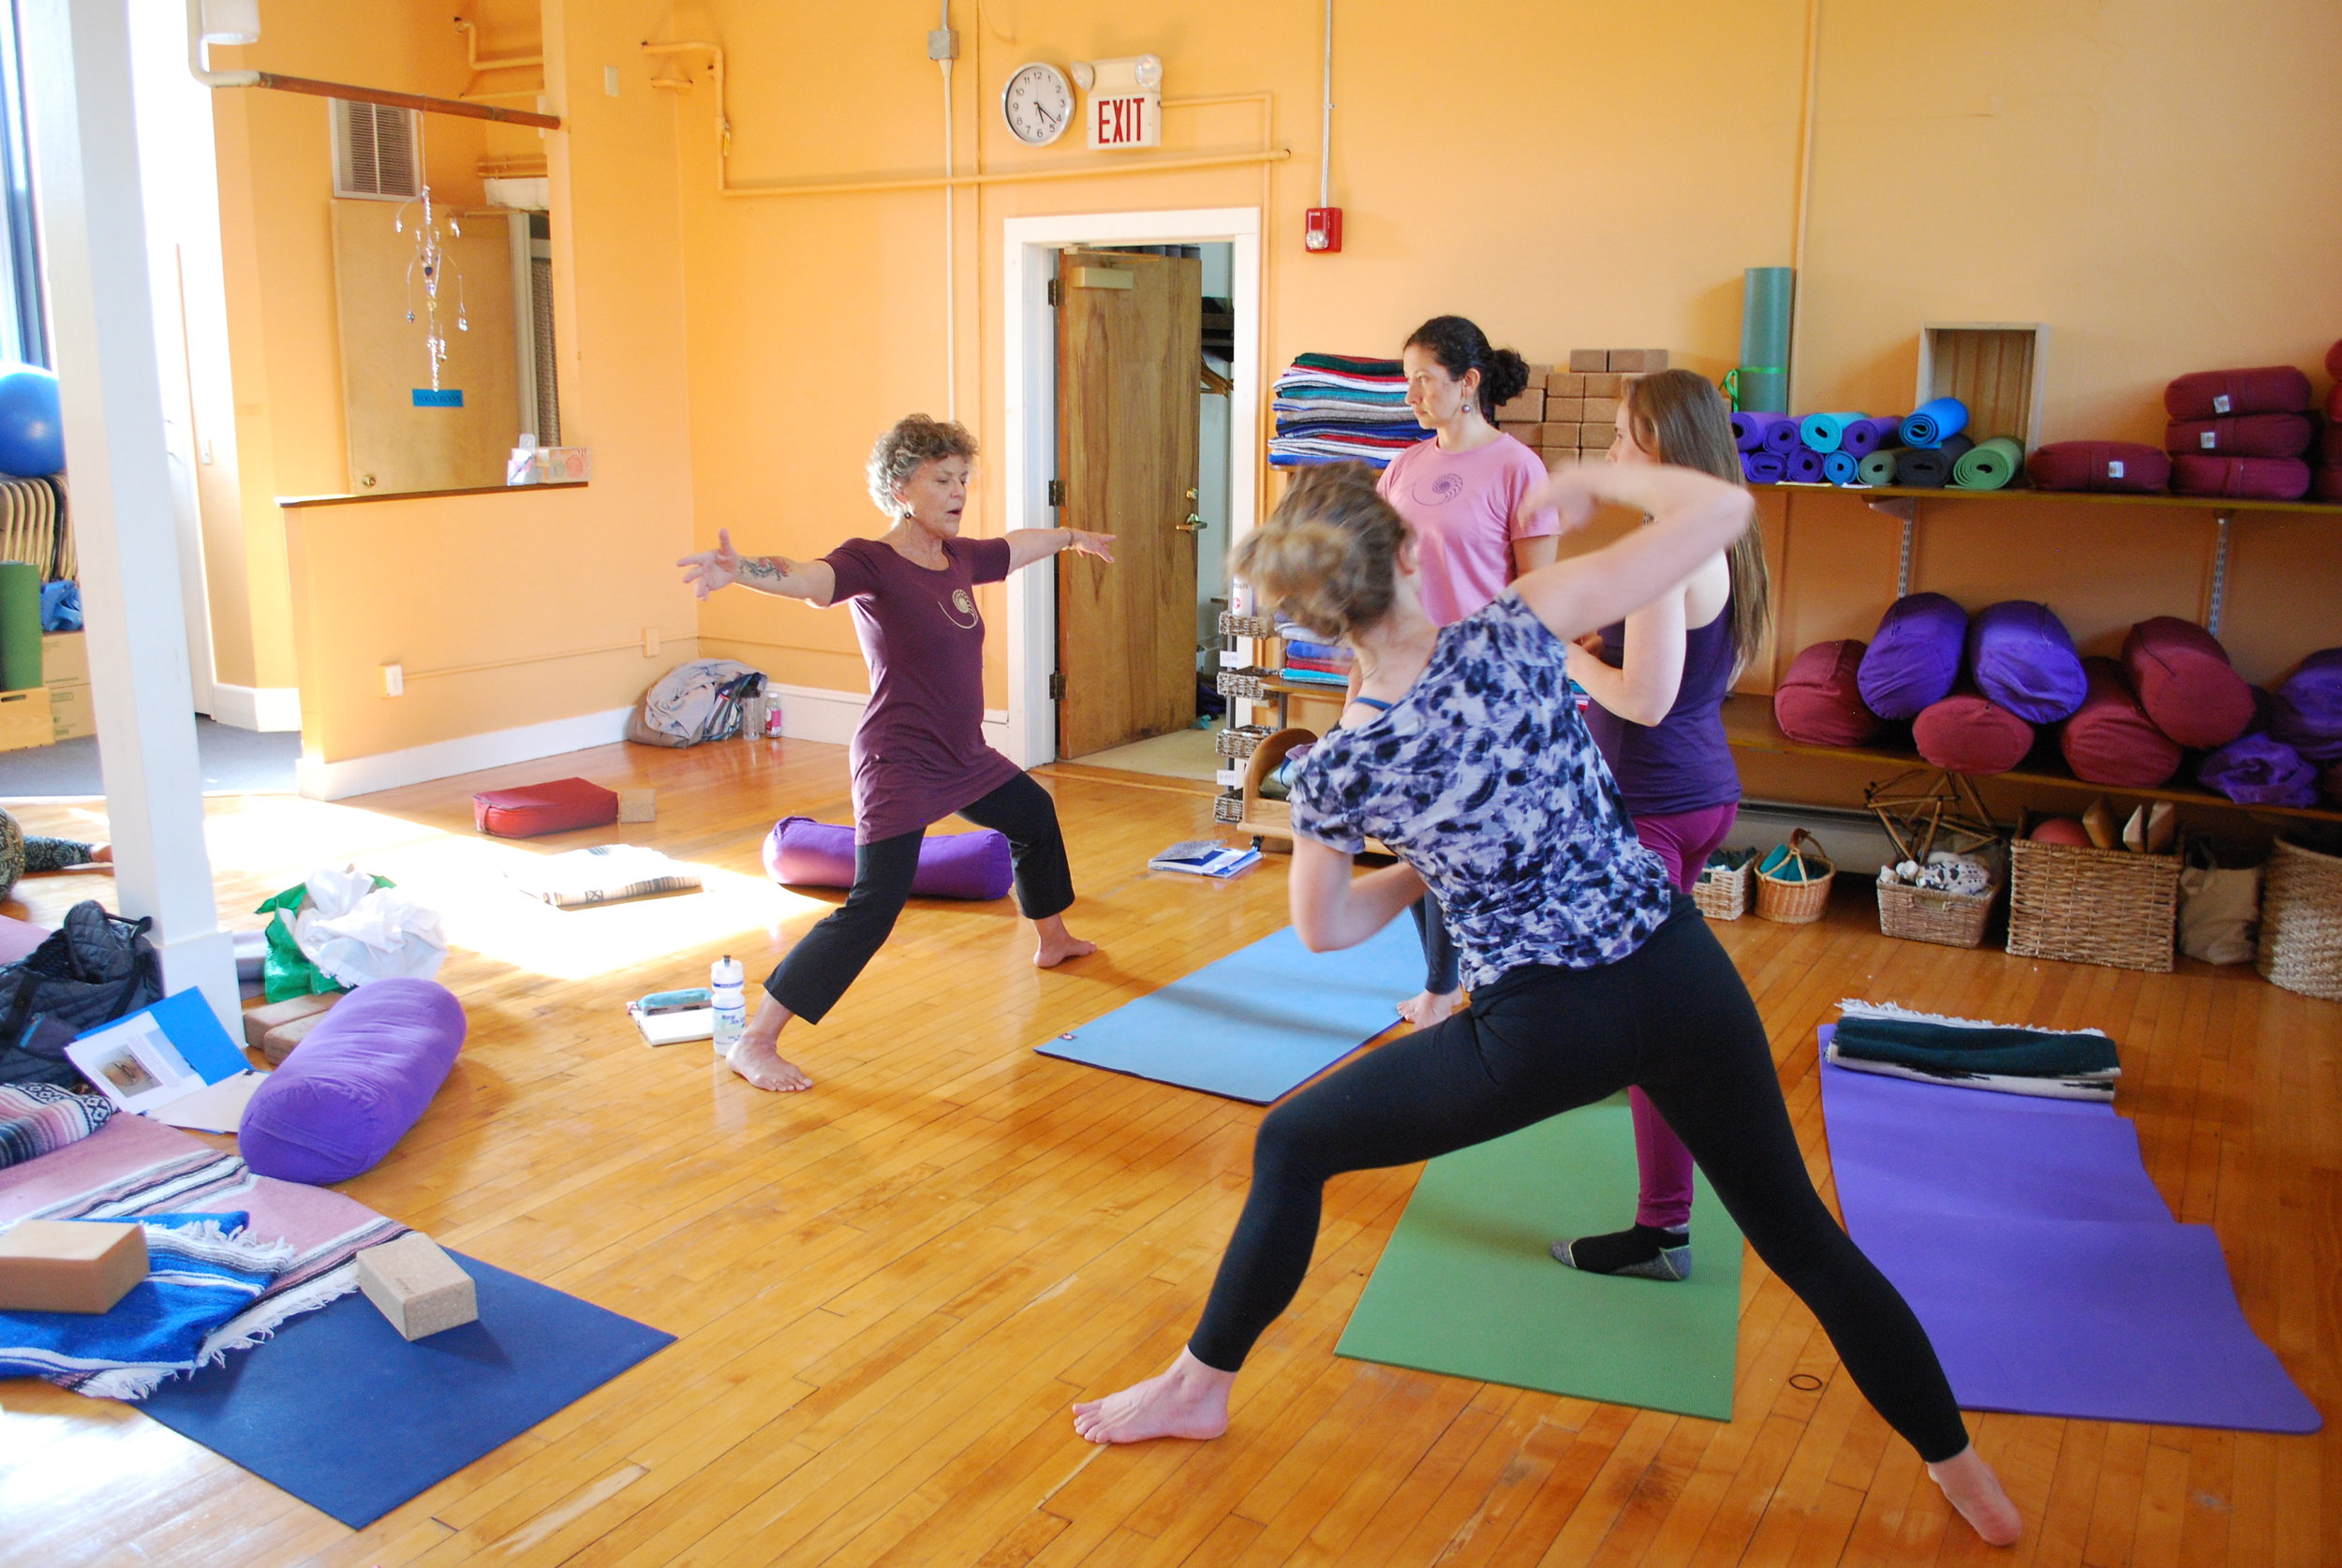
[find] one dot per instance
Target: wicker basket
(2301, 922)
(1926, 914)
(1723, 894)
(2091, 906)
(1796, 903)
(1239, 740)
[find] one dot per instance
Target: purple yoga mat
(1763, 467)
(2044, 1264)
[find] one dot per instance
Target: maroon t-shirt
(919, 753)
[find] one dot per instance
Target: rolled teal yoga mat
(1989, 465)
(19, 626)
(1763, 381)
(1466, 1287)
(1823, 431)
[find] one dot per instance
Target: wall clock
(1038, 104)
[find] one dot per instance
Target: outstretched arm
(1028, 545)
(719, 567)
(1693, 516)
(1332, 908)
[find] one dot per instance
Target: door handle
(1193, 525)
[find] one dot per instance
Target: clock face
(1038, 104)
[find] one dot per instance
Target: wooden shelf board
(2087, 498)
(1749, 725)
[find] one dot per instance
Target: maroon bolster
(1969, 733)
(2216, 395)
(2242, 479)
(2091, 464)
(2185, 683)
(2252, 435)
(2111, 740)
(1819, 701)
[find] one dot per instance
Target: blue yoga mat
(1933, 423)
(1260, 1022)
(353, 1420)
(1839, 467)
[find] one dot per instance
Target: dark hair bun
(1506, 378)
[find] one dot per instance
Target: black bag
(95, 968)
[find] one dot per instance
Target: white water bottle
(726, 981)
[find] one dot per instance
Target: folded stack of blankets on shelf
(2056, 1064)
(1341, 408)
(1314, 663)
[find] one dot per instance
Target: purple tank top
(1683, 762)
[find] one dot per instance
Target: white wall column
(77, 63)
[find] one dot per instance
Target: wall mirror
(443, 284)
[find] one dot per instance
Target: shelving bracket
(2219, 576)
(1906, 509)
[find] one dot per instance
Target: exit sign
(1125, 120)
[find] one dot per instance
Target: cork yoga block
(260, 1021)
(418, 1287)
(70, 1265)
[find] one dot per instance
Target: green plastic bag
(288, 972)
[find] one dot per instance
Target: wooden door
(1129, 335)
(395, 445)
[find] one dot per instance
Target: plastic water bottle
(726, 981)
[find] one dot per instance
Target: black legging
(826, 959)
(1673, 1017)
(1442, 963)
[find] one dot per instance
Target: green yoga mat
(1878, 467)
(19, 626)
(1763, 379)
(1466, 1287)
(1989, 465)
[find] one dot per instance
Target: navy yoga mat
(1260, 1022)
(2045, 1265)
(353, 1420)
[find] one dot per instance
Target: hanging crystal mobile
(430, 261)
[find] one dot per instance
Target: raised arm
(1693, 516)
(1333, 908)
(719, 567)
(1028, 545)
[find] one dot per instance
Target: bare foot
(760, 1064)
(1426, 1008)
(101, 854)
(1191, 1401)
(1970, 1486)
(1057, 944)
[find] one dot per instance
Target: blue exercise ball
(32, 431)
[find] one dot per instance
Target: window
(23, 329)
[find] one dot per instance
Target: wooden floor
(889, 1291)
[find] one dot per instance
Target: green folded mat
(1989, 465)
(19, 626)
(1466, 1287)
(1971, 1048)
(1878, 467)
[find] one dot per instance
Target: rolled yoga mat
(1865, 436)
(1932, 423)
(1840, 467)
(1781, 438)
(1763, 381)
(19, 626)
(1466, 1287)
(1763, 467)
(1805, 466)
(1989, 465)
(1822, 432)
(1878, 467)
(1748, 429)
(1930, 468)
(2041, 1261)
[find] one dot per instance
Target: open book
(172, 1060)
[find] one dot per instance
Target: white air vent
(377, 151)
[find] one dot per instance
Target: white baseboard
(271, 708)
(356, 776)
(820, 714)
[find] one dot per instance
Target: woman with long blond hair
(1658, 681)
(1465, 754)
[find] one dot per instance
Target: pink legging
(1685, 840)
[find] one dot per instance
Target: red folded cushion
(2243, 479)
(2330, 440)
(2124, 467)
(2111, 740)
(2213, 394)
(1817, 702)
(1969, 733)
(536, 809)
(2333, 361)
(2253, 435)
(2328, 482)
(2182, 680)
(2334, 402)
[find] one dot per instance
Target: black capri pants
(1673, 1017)
(827, 958)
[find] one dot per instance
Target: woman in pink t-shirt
(1459, 492)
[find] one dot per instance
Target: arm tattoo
(763, 568)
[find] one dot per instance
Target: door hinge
(1057, 493)
(1057, 292)
(1057, 686)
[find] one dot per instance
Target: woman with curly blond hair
(918, 754)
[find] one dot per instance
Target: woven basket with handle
(1796, 903)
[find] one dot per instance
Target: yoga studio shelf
(1748, 724)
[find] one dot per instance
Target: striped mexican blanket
(42, 1118)
(2053, 1064)
(133, 1167)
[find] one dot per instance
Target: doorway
(1221, 245)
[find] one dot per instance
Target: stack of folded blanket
(1315, 663)
(2057, 1064)
(2240, 433)
(1340, 409)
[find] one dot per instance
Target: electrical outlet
(650, 641)
(609, 80)
(393, 680)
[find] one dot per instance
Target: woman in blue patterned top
(1463, 752)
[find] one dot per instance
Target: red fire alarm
(1321, 229)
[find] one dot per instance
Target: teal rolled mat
(1879, 466)
(1823, 431)
(1766, 294)
(1989, 465)
(19, 626)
